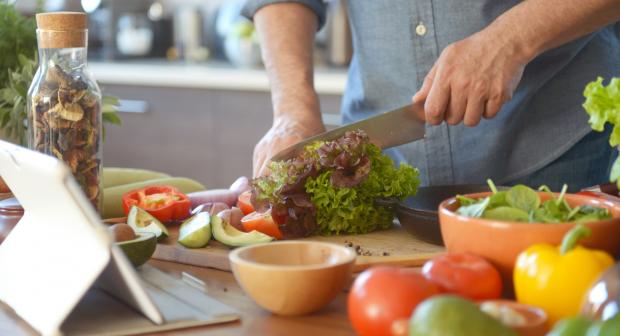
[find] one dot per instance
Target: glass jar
(64, 101)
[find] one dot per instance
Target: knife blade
(388, 129)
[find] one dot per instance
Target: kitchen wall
(198, 118)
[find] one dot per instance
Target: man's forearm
(286, 34)
(535, 26)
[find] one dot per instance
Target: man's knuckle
(480, 88)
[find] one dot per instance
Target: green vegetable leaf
(588, 218)
(505, 213)
(498, 199)
(332, 187)
(522, 204)
(615, 172)
(474, 210)
(543, 215)
(603, 105)
(464, 201)
(492, 186)
(111, 118)
(353, 210)
(523, 197)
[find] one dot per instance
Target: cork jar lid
(62, 30)
(62, 21)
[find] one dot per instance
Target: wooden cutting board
(389, 247)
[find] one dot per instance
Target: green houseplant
(18, 64)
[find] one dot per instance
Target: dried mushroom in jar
(67, 126)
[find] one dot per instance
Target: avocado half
(228, 235)
(140, 249)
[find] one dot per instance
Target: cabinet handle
(132, 106)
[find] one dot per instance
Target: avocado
(195, 232)
(226, 234)
(121, 232)
(140, 249)
(142, 221)
(449, 315)
(576, 326)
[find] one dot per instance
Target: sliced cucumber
(142, 221)
(229, 235)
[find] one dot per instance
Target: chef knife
(389, 129)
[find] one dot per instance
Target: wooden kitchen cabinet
(204, 134)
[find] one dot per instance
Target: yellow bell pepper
(556, 279)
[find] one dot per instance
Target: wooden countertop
(222, 286)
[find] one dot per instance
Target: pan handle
(389, 202)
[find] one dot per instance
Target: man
(501, 82)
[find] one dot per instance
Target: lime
(142, 221)
(140, 249)
(228, 235)
(448, 315)
(196, 231)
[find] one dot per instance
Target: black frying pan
(418, 214)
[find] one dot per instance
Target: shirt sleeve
(317, 6)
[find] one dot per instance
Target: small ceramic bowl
(292, 277)
(535, 318)
(501, 242)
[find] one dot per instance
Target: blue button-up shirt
(390, 60)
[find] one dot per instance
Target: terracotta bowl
(292, 277)
(501, 242)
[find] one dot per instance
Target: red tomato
(262, 222)
(382, 296)
(463, 274)
(244, 202)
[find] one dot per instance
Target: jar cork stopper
(62, 29)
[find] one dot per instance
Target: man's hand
(284, 133)
(471, 79)
(286, 32)
(474, 77)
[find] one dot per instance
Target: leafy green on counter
(522, 204)
(352, 210)
(331, 188)
(603, 105)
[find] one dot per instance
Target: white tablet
(60, 247)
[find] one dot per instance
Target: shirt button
(420, 29)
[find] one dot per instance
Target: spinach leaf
(497, 200)
(543, 215)
(523, 197)
(588, 209)
(589, 213)
(492, 186)
(587, 218)
(465, 201)
(505, 213)
(521, 203)
(474, 210)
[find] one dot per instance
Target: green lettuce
(352, 210)
(603, 105)
(331, 188)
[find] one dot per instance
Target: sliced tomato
(244, 202)
(261, 222)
